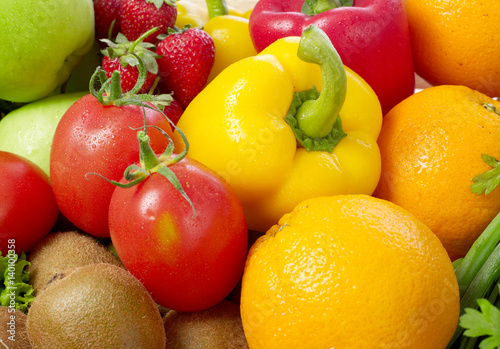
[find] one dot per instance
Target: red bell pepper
(371, 37)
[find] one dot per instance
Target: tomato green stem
(147, 156)
(110, 92)
(216, 8)
(150, 164)
(316, 117)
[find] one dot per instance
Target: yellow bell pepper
(229, 31)
(232, 41)
(196, 15)
(190, 13)
(250, 125)
(233, 11)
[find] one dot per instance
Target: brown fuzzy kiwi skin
(95, 306)
(214, 328)
(13, 333)
(63, 250)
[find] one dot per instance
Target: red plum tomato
(28, 210)
(188, 260)
(96, 138)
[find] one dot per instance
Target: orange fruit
(349, 272)
(455, 42)
(431, 145)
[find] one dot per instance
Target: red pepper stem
(316, 117)
(313, 7)
(217, 8)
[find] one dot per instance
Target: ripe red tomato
(28, 210)
(187, 262)
(92, 137)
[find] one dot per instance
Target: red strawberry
(128, 74)
(139, 16)
(107, 11)
(122, 55)
(173, 111)
(186, 60)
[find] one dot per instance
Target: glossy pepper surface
(253, 123)
(371, 37)
(190, 13)
(195, 14)
(230, 34)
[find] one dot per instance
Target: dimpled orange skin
(455, 42)
(431, 146)
(349, 272)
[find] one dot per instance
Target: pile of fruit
(250, 174)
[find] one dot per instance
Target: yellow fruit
(232, 41)
(454, 42)
(349, 272)
(431, 146)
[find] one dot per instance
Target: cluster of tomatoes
(181, 230)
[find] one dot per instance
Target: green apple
(81, 74)
(28, 131)
(42, 41)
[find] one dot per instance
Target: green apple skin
(80, 76)
(28, 131)
(42, 41)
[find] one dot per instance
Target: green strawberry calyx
(129, 51)
(110, 93)
(159, 3)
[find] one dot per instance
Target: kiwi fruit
(213, 328)
(13, 334)
(63, 250)
(95, 306)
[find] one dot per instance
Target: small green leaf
(150, 63)
(109, 43)
(159, 3)
(170, 176)
(489, 180)
(129, 51)
(483, 323)
(120, 39)
(15, 291)
(129, 60)
(490, 160)
(475, 323)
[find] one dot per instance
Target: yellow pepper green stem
(217, 8)
(246, 107)
(316, 117)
